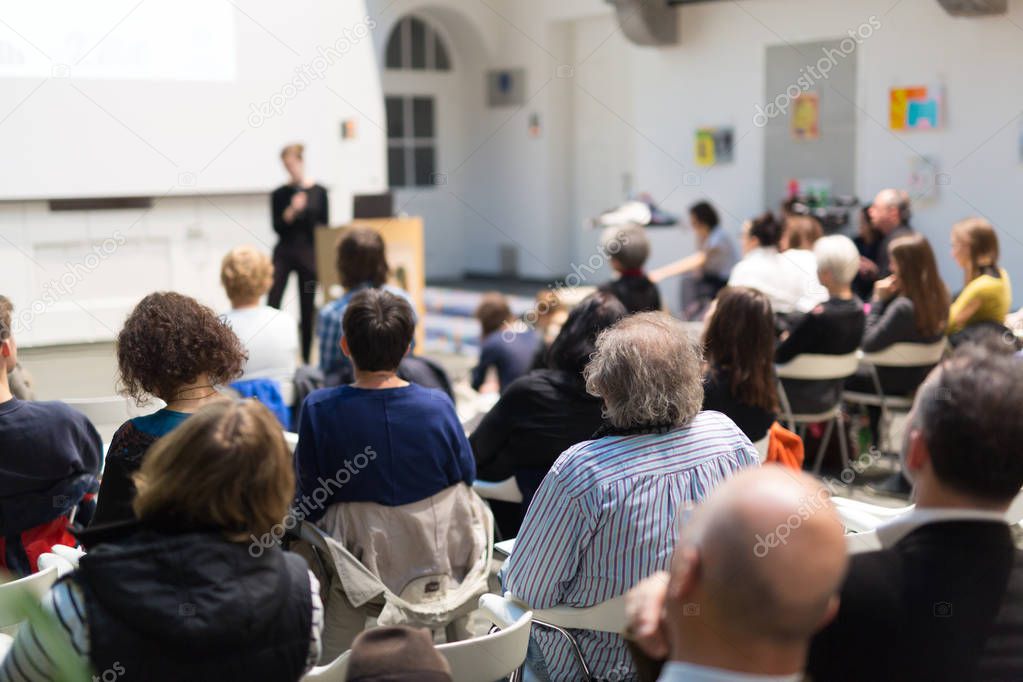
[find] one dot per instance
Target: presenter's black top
(316, 212)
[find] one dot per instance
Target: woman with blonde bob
(987, 294)
(190, 591)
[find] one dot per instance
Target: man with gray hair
(890, 214)
(604, 517)
(756, 572)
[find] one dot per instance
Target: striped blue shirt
(604, 518)
(329, 325)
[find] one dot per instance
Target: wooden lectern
(405, 256)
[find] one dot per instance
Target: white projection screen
(144, 98)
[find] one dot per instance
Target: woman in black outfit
(739, 379)
(297, 208)
(543, 413)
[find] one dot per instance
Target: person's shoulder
(327, 395)
(714, 423)
(335, 308)
(431, 398)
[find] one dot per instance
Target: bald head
(770, 553)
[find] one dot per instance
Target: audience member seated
(789, 287)
(712, 263)
(396, 654)
(799, 234)
(605, 515)
(889, 215)
(738, 344)
(987, 294)
(909, 306)
(550, 314)
(408, 437)
(507, 345)
(21, 383)
(172, 348)
(51, 460)
(628, 249)
(361, 264)
(545, 412)
(181, 594)
(834, 327)
(748, 586)
(267, 334)
(946, 591)
(868, 241)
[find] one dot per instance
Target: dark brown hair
(765, 229)
(492, 312)
(361, 258)
(168, 341)
(226, 466)
(378, 328)
(920, 282)
(740, 339)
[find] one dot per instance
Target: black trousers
(300, 258)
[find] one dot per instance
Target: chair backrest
(818, 367)
(34, 586)
(48, 559)
(504, 491)
(908, 355)
(608, 616)
(857, 543)
(762, 447)
(481, 659)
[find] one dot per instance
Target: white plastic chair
(817, 367)
(898, 355)
(494, 656)
(35, 585)
(857, 543)
(48, 559)
(762, 446)
(71, 554)
(608, 616)
(503, 491)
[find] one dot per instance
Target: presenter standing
(298, 208)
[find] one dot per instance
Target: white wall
(74, 275)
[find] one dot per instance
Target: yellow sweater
(994, 294)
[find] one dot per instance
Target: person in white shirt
(789, 282)
(269, 335)
(755, 573)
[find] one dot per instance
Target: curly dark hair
(168, 341)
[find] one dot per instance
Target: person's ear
(685, 573)
(344, 347)
(829, 614)
(408, 351)
(5, 348)
(917, 454)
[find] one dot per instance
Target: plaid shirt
(329, 331)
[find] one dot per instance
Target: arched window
(413, 44)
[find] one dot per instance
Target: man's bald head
(769, 554)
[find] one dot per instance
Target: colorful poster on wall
(806, 116)
(917, 107)
(715, 146)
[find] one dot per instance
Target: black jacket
(636, 292)
(193, 606)
(943, 603)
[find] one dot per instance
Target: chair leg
(825, 439)
(843, 440)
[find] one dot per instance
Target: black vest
(194, 606)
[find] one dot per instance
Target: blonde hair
(981, 243)
(246, 273)
(6, 309)
(226, 467)
(296, 149)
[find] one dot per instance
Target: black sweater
(301, 228)
(890, 322)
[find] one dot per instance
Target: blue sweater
(391, 446)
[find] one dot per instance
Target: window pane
(422, 117)
(425, 166)
(393, 58)
(441, 61)
(395, 117)
(396, 166)
(418, 44)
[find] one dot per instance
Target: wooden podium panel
(405, 256)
